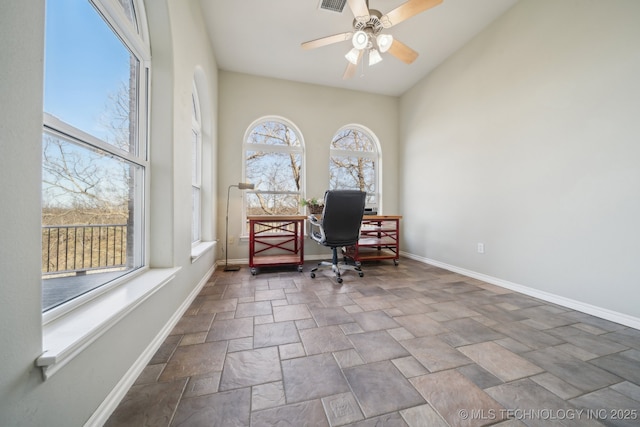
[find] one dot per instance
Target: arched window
(94, 145)
(196, 169)
(354, 162)
(274, 159)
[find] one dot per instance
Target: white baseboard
(603, 313)
(113, 399)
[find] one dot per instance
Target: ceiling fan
(367, 34)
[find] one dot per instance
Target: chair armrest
(317, 235)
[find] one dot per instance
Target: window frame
(376, 156)
(135, 39)
(246, 146)
(196, 184)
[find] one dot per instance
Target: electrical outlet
(480, 248)
(231, 240)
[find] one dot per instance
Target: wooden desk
(276, 240)
(379, 239)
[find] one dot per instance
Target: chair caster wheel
(313, 275)
(339, 279)
(361, 274)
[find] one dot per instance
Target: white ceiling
(263, 37)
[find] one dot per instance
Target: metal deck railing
(79, 248)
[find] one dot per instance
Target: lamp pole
(241, 186)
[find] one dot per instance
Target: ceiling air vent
(333, 5)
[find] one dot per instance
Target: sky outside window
(86, 66)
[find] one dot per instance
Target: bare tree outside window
(273, 163)
(87, 188)
(352, 164)
(88, 205)
(80, 185)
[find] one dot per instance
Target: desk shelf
(276, 241)
(379, 239)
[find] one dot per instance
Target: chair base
(325, 265)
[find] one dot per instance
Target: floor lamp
(241, 186)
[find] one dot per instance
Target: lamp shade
(353, 55)
(374, 57)
(384, 42)
(360, 39)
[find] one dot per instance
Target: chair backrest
(342, 216)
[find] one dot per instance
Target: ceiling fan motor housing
(373, 25)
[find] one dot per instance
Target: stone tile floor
(406, 345)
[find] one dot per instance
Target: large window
(94, 151)
(273, 163)
(196, 169)
(354, 162)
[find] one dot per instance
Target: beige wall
(527, 140)
(21, 72)
(78, 389)
(318, 112)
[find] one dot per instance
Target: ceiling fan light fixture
(366, 36)
(353, 55)
(360, 40)
(374, 57)
(384, 42)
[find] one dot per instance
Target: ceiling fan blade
(324, 41)
(351, 68)
(360, 9)
(403, 52)
(406, 11)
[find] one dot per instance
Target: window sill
(67, 336)
(200, 249)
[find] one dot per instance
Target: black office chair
(338, 227)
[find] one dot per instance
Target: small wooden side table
(276, 240)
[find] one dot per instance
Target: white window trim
(196, 127)
(136, 41)
(207, 241)
(200, 249)
(67, 336)
(68, 132)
